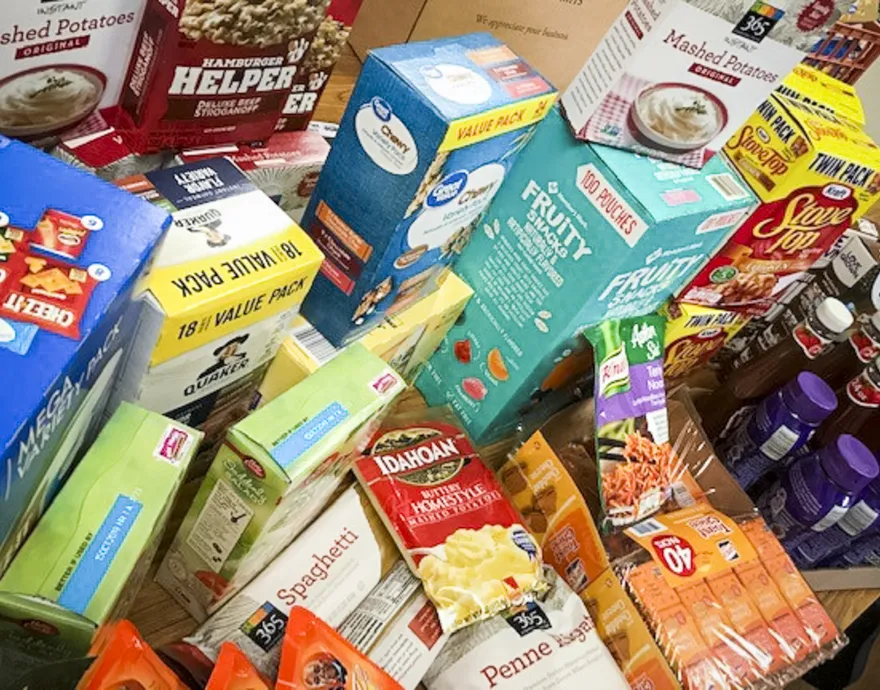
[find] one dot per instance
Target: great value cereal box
(816, 174)
(274, 473)
(71, 249)
(218, 300)
(579, 234)
(676, 78)
(207, 72)
(60, 61)
(428, 138)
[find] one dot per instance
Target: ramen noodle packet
(316, 657)
(449, 515)
(637, 466)
(725, 603)
(234, 671)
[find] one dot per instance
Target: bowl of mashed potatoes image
(48, 99)
(676, 118)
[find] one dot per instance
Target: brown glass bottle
(858, 410)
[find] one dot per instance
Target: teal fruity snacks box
(578, 234)
(428, 137)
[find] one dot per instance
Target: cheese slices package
(449, 515)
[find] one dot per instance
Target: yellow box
(405, 340)
(809, 85)
(695, 334)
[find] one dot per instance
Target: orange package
(234, 671)
(315, 657)
(124, 660)
(729, 591)
(650, 588)
(680, 637)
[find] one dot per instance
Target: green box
(275, 472)
(84, 563)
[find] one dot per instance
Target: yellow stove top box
(807, 84)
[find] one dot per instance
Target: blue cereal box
(430, 133)
(71, 249)
(579, 234)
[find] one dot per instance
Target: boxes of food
(694, 335)
(71, 250)
(286, 167)
(274, 473)
(675, 81)
(406, 340)
(598, 234)
(428, 137)
(807, 84)
(60, 61)
(91, 550)
(816, 174)
(205, 72)
(218, 300)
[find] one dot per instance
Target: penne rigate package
(450, 517)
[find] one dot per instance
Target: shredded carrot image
(647, 467)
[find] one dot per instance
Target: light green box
(274, 473)
(87, 558)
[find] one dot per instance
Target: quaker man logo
(231, 359)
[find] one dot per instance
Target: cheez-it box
(816, 174)
(71, 250)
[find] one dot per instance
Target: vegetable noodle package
(724, 601)
(450, 517)
(636, 462)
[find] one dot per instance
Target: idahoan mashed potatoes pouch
(450, 517)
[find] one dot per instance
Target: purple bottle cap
(809, 397)
(849, 464)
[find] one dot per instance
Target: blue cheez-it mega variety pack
(71, 250)
(432, 130)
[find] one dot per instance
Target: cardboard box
(71, 250)
(676, 81)
(816, 174)
(694, 335)
(91, 550)
(218, 300)
(555, 37)
(406, 340)
(579, 234)
(274, 473)
(807, 84)
(428, 137)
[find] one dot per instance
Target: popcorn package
(428, 137)
(205, 72)
(455, 527)
(579, 234)
(274, 473)
(675, 79)
(220, 295)
(71, 251)
(816, 174)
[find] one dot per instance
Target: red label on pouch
(863, 392)
(810, 342)
(866, 350)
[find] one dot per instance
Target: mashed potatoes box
(274, 473)
(579, 234)
(71, 249)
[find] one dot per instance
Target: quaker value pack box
(71, 250)
(675, 79)
(579, 234)
(91, 550)
(274, 473)
(816, 174)
(218, 300)
(426, 141)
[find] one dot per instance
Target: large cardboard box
(555, 36)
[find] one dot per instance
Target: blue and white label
(448, 189)
(88, 574)
(309, 434)
(385, 139)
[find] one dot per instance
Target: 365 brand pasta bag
(450, 517)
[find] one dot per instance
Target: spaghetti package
(316, 657)
(234, 671)
(457, 530)
(637, 467)
(724, 602)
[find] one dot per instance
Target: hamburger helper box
(273, 474)
(428, 137)
(84, 563)
(675, 79)
(71, 250)
(579, 234)
(218, 300)
(816, 174)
